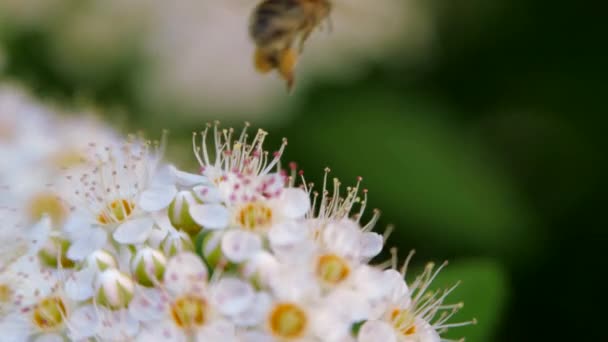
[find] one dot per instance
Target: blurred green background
(487, 149)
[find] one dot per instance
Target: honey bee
(276, 25)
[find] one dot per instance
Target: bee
(276, 25)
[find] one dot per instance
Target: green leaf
(421, 169)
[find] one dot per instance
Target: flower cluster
(133, 249)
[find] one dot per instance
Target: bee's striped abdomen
(273, 21)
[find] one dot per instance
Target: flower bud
(101, 260)
(54, 253)
(208, 246)
(148, 266)
(176, 243)
(114, 289)
(179, 212)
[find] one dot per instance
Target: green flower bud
(114, 289)
(174, 244)
(209, 248)
(101, 260)
(54, 253)
(148, 266)
(179, 212)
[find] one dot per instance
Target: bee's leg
(287, 64)
(263, 61)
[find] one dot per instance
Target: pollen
(287, 321)
(49, 314)
(6, 297)
(116, 212)
(254, 216)
(403, 321)
(5, 293)
(189, 312)
(332, 269)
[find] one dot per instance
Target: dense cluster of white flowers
(120, 246)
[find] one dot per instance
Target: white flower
(412, 314)
(119, 194)
(26, 239)
(36, 143)
(40, 308)
(298, 311)
(245, 195)
(269, 264)
(241, 170)
(190, 306)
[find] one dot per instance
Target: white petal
(239, 246)
(343, 238)
(256, 312)
(157, 197)
(87, 244)
(295, 202)
(347, 304)
(161, 332)
(148, 305)
(372, 281)
(39, 233)
(207, 193)
(287, 233)
(425, 332)
(263, 265)
(255, 336)
(79, 285)
(160, 230)
(220, 330)
(134, 231)
(373, 331)
(232, 296)
(186, 179)
(117, 325)
(77, 225)
(49, 338)
(289, 283)
(210, 216)
(184, 271)
(398, 290)
(371, 244)
(83, 322)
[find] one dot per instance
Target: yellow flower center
(49, 314)
(403, 321)
(189, 312)
(49, 204)
(6, 296)
(332, 269)
(254, 216)
(116, 212)
(287, 321)
(67, 159)
(5, 293)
